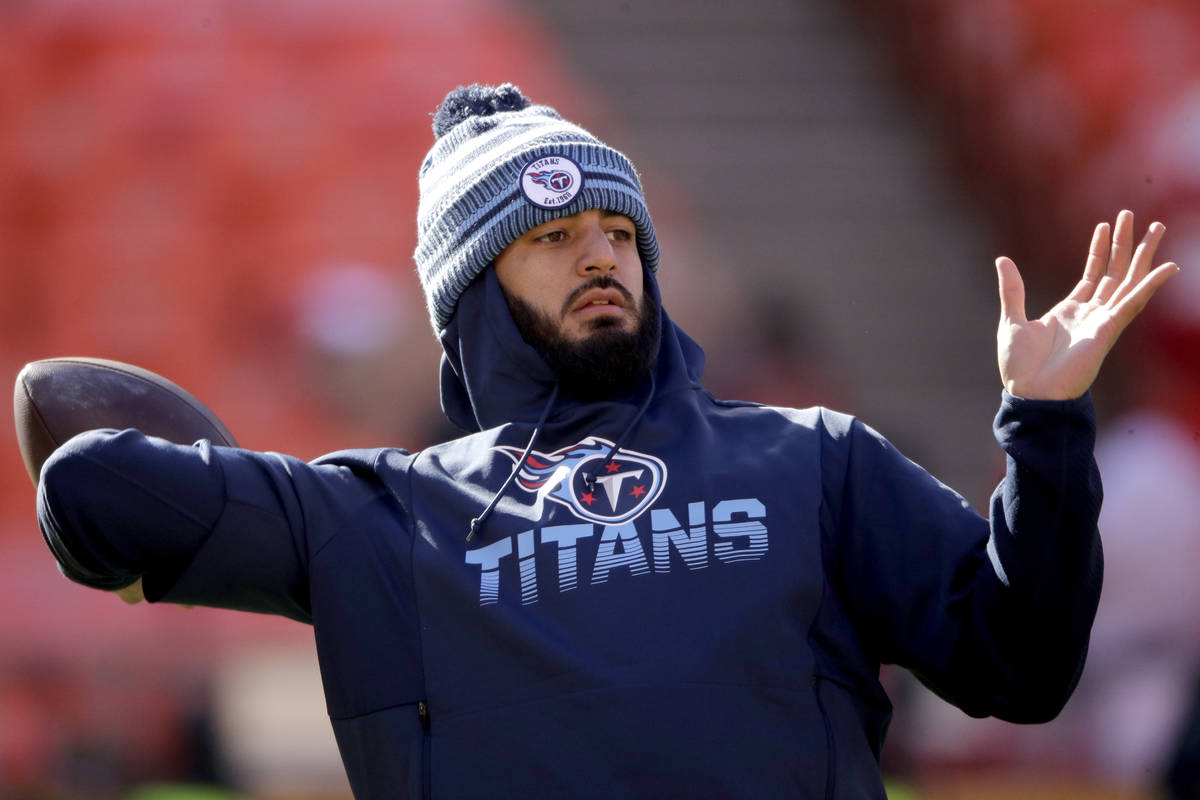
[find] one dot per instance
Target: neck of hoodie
(490, 376)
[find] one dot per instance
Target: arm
(200, 525)
(995, 614)
(993, 617)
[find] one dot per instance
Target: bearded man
(617, 585)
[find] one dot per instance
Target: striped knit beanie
(501, 166)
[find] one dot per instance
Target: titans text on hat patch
(551, 181)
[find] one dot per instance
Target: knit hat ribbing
(501, 166)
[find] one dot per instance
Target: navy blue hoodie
(701, 614)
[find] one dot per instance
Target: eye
(620, 235)
(551, 237)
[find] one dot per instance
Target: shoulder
(825, 421)
(396, 468)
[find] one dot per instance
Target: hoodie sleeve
(201, 525)
(992, 614)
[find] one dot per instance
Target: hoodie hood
(490, 376)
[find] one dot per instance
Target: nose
(596, 256)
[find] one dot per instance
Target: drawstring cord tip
(474, 527)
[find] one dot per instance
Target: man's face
(554, 268)
(575, 290)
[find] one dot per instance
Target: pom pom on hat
(476, 198)
(476, 101)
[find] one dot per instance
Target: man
(618, 585)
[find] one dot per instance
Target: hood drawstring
(589, 477)
(477, 522)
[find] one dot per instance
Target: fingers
(1143, 258)
(1012, 291)
(1114, 268)
(1133, 302)
(1118, 258)
(1093, 270)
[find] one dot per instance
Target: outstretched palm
(1057, 356)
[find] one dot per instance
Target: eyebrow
(604, 214)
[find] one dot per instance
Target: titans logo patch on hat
(551, 181)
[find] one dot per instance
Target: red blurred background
(225, 193)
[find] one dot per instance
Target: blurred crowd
(1054, 114)
(225, 193)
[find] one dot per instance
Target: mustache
(598, 282)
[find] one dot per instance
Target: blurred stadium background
(224, 192)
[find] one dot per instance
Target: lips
(602, 296)
(599, 301)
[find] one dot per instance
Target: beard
(609, 361)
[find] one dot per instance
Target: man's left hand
(1057, 356)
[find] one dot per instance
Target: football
(56, 398)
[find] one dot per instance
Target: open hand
(1058, 356)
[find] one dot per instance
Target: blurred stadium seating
(216, 190)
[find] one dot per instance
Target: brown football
(56, 398)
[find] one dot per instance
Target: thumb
(1012, 291)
